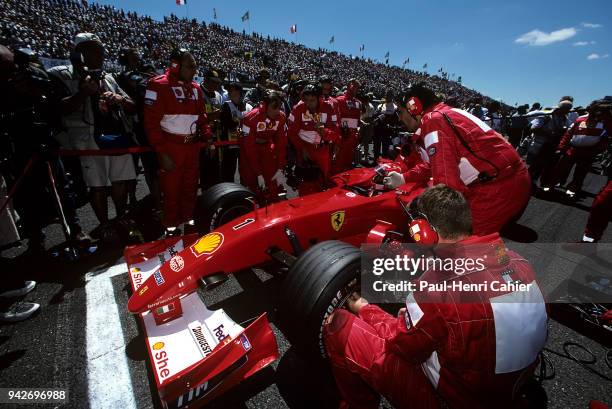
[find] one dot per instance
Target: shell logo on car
(158, 345)
(207, 244)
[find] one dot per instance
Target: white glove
(261, 182)
(393, 180)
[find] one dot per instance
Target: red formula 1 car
(316, 236)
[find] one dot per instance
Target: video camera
(25, 59)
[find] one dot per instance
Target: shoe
(19, 292)
(19, 311)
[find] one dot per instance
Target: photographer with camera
(25, 137)
(133, 80)
(93, 115)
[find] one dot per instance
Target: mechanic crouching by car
(175, 120)
(439, 351)
(464, 153)
(264, 144)
(313, 131)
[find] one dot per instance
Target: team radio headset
(420, 229)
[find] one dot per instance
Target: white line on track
(108, 375)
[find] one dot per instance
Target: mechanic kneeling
(463, 355)
(463, 152)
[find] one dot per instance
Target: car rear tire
(221, 204)
(321, 280)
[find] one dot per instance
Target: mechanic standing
(440, 351)
(349, 114)
(264, 144)
(464, 153)
(313, 131)
(581, 143)
(175, 120)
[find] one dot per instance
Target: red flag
(181, 2)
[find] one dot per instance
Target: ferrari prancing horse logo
(337, 219)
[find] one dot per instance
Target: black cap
(212, 75)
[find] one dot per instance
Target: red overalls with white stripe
(446, 160)
(474, 354)
(307, 141)
(174, 112)
(349, 113)
(582, 142)
(263, 148)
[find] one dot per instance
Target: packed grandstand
(48, 27)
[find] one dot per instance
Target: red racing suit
(474, 354)
(600, 213)
(307, 141)
(580, 144)
(262, 148)
(458, 164)
(173, 113)
(349, 114)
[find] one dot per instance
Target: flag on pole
(214, 13)
(332, 39)
(387, 61)
(362, 47)
(387, 55)
(459, 79)
(246, 16)
(293, 29)
(424, 65)
(181, 2)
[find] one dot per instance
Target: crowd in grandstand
(49, 26)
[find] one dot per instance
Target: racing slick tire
(223, 203)
(320, 281)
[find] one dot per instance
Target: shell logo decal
(207, 244)
(158, 345)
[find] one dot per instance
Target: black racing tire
(320, 281)
(223, 203)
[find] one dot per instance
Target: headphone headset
(420, 229)
(175, 60)
(414, 106)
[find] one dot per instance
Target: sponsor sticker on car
(207, 244)
(177, 263)
(159, 278)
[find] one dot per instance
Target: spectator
(232, 112)
(210, 171)
(93, 110)
(255, 96)
(547, 130)
(518, 124)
